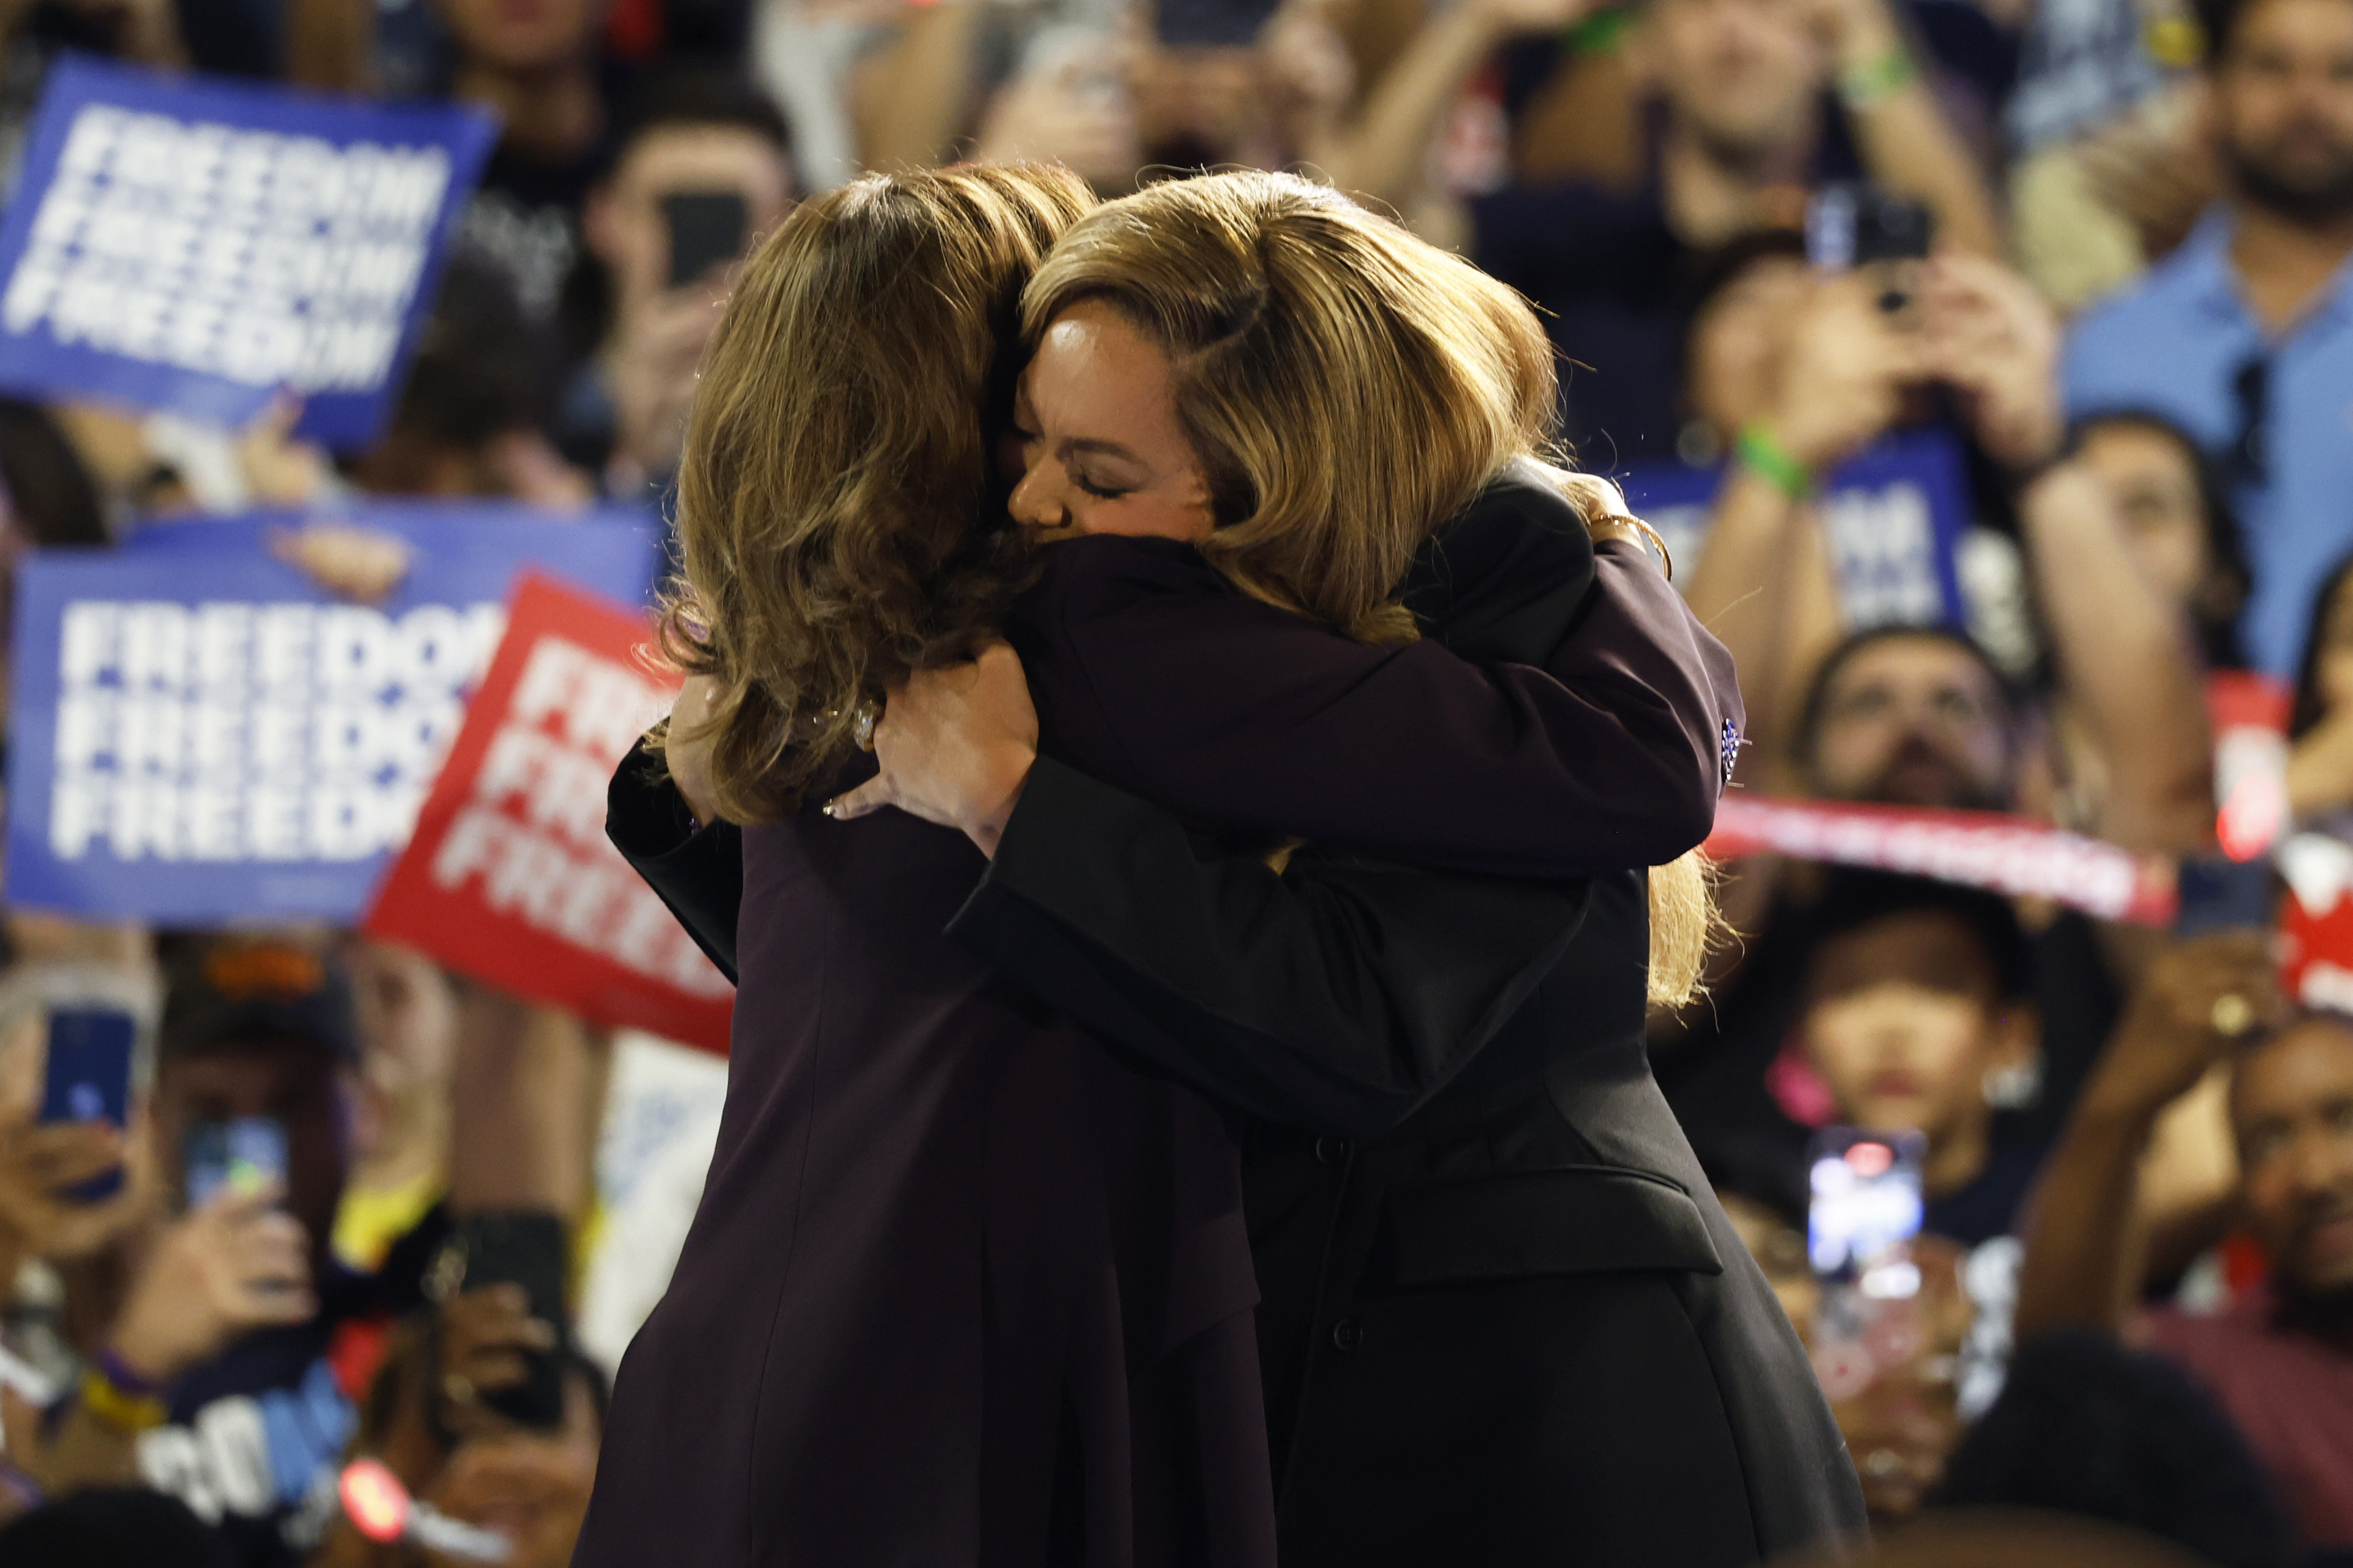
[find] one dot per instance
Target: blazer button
(1331, 1150)
(1346, 1335)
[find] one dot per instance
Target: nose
(1037, 501)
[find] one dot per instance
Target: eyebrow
(1099, 447)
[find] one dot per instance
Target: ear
(2013, 1066)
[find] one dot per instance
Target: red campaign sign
(509, 876)
(2315, 921)
(1979, 849)
(2316, 953)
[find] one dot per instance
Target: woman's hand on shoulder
(955, 747)
(686, 745)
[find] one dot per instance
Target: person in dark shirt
(227, 1377)
(1740, 130)
(2279, 1358)
(1901, 717)
(1917, 1019)
(699, 147)
(536, 66)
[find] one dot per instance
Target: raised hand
(955, 747)
(41, 1163)
(1843, 374)
(2197, 1002)
(220, 1272)
(1992, 339)
(486, 1332)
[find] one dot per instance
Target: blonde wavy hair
(838, 509)
(1346, 388)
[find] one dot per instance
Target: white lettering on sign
(1884, 543)
(271, 732)
(269, 259)
(531, 838)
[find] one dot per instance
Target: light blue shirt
(2174, 345)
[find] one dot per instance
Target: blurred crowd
(2112, 279)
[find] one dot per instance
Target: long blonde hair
(839, 518)
(1346, 388)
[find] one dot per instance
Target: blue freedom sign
(197, 246)
(199, 733)
(1894, 516)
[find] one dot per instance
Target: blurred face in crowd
(297, 1083)
(2283, 106)
(624, 224)
(2292, 1109)
(408, 1030)
(1913, 721)
(1905, 1021)
(530, 1487)
(1101, 448)
(524, 36)
(1739, 339)
(2155, 484)
(1742, 74)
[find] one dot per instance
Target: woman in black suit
(967, 1166)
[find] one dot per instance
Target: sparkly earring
(2016, 1087)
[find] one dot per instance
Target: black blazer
(1503, 1318)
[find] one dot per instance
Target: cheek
(2263, 1195)
(2171, 557)
(1141, 517)
(1849, 749)
(1944, 1053)
(1838, 1046)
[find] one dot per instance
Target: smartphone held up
(97, 1056)
(1864, 1209)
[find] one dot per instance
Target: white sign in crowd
(273, 732)
(269, 259)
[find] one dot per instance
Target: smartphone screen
(241, 1155)
(1865, 1207)
(707, 229)
(88, 1077)
(1856, 225)
(529, 1250)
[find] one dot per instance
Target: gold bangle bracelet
(1658, 545)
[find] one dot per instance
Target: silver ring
(861, 725)
(1883, 1463)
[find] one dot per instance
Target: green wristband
(1860, 87)
(1773, 462)
(1597, 34)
